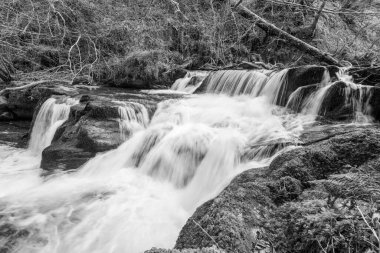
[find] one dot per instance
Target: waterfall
(139, 195)
(52, 114)
(255, 83)
(133, 117)
(320, 99)
(237, 82)
(190, 82)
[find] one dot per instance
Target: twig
(371, 228)
(204, 231)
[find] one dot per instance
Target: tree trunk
(313, 26)
(273, 30)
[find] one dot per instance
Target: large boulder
(21, 102)
(238, 219)
(322, 158)
(233, 219)
(93, 126)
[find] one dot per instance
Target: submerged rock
(94, 126)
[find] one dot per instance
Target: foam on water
(190, 82)
(139, 195)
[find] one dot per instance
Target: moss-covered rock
(232, 220)
(319, 160)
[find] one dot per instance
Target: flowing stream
(139, 195)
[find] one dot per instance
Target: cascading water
(133, 117)
(139, 195)
(248, 82)
(320, 99)
(190, 82)
(19, 168)
(52, 114)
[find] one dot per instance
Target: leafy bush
(141, 68)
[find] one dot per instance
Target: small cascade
(276, 86)
(190, 82)
(52, 114)
(236, 82)
(133, 117)
(359, 96)
(342, 98)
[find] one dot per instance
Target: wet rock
(233, 219)
(93, 126)
(82, 80)
(22, 101)
(299, 97)
(299, 77)
(6, 116)
(343, 101)
(14, 133)
(174, 74)
(326, 157)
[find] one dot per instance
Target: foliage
(339, 214)
(313, 226)
(147, 66)
(77, 35)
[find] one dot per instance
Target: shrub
(138, 69)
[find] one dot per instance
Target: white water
(190, 82)
(19, 167)
(248, 82)
(52, 114)
(133, 117)
(140, 195)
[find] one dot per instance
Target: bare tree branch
(272, 29)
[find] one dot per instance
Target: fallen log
(273, 30)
